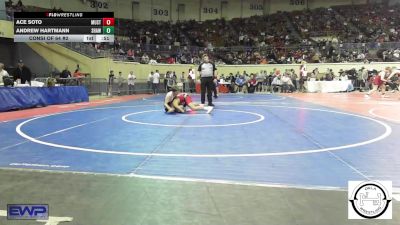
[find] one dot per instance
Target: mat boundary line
(184, 179)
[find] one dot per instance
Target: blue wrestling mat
(267, 139)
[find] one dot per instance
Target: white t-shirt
(156, 78)
(169, 97)
(303, 70)
(3, 73)
(192, 74)
(131, 79)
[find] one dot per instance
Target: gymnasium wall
(172, 10)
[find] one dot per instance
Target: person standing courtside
(131, 82)
(23, 73)
(3, 73)
(192, 80)
(156, 82)
(111, 78)
(207, 70)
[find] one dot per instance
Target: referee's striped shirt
(207, 69)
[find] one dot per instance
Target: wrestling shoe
(209, 109)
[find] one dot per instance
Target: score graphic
(108, 25)
(64, 27)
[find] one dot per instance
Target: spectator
(343, 76)
(22, 73)
(276, 84)
(215, 86)
(150, 81)
(182, 80)
(65, 73)
(287, 85)
(294, 78)
(240, 84)
(252, 83)
(78, 76)
(120, 82)
(131, 83)
(329, 75)
(167, 83)
(111, 78)
(365, 79)
(260, 78)
(3, 73)
(156, 82)
(145, 59)
(192, 80)
(130, 54)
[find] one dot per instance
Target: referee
(207, 70)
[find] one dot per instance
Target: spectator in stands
(19, 3)
(65, 73)
(130, 54)
(64, 76)
(22, 73)
(131, 82)
(152, 61)
(145, 59)
(3, 73)
(79, 76)
(9, 3)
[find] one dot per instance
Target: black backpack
(8, 81)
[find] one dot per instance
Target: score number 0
(108, 21)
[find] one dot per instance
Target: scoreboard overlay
(64, 27)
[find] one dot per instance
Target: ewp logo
(27, 212)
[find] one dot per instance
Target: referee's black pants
(207, 83)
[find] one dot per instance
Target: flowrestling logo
(370, 200)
